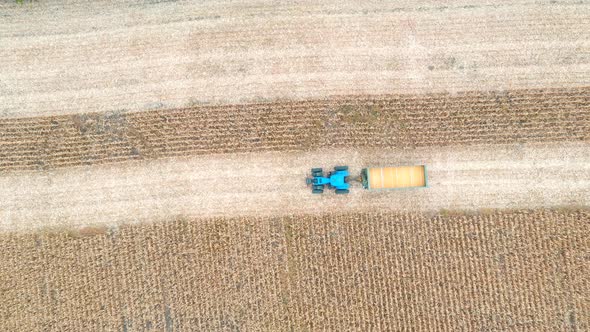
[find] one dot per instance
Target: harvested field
(402, 121)
(66, 57)
(524, 270)
(153, 156)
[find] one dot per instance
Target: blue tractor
(337, 180)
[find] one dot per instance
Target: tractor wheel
(316, 170)
(342, 191)
(316, 187)
(317, 191)
(341, 168)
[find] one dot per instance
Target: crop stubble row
(400, 121)
(338, 272)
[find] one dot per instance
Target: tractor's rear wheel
(341, 168)
(342, 191)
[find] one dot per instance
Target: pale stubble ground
(64, 57)
(273, 184)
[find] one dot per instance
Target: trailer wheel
(342, 191)
(341, 168)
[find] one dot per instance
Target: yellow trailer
(394, 177)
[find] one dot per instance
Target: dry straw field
(400, 121)
(519, 270)
(153, 156)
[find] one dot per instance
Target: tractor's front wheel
(342, 191)
(316, 172)
(341, 168)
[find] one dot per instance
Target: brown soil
(548, 115)
(500, 271)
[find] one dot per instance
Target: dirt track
(518, 176)
(64, 57)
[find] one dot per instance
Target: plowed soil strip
(549, 115)
(338, 272)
